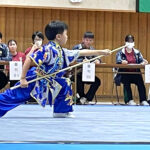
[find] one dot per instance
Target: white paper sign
(88, 72)
(147, 73)
(15, 70)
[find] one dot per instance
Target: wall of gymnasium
(109, 28)
(117, 5)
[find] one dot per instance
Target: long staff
(68, 68)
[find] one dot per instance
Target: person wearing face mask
(130, 55)
(37, 42)
(37, 38)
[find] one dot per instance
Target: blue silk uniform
(54, 89)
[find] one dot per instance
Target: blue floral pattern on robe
(49, 59)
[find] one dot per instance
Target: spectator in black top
(4, 56)
(87, 42)
(4, 51)
(130, 55)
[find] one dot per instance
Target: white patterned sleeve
(70, 55)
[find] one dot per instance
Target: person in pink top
(16, 56)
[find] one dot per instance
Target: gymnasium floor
(94, 125)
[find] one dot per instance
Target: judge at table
(130, 55)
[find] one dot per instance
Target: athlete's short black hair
(54, 28)
(88, 35)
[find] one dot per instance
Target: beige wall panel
(28, 27)
(117, 24)
(91, 23)
(108, 41)
(134, 26)
(46, 20)
(99, 30)
(125, 25)
(111, 5)
(38, 20)
(82, 25)
(73, 28)
(19, 28)
(143, 33)
(99, 43)
(148, 38)
(55, 15)
(64, 16)
(10, 24)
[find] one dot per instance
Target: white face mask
(38, 43)
(130, 45)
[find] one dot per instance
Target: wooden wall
(110, 29)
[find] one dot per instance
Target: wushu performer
(47, 60)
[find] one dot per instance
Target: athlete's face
(62, 38)
(87, 42)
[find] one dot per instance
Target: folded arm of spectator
(145, 62)
(8, 56)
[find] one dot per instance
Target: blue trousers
(13, 98)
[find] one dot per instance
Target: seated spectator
(16, 56)
(4, 56)
(130, 55)
(37, 39)
(87, 42)
(4, 51)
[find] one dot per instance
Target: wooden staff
(68, 68)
